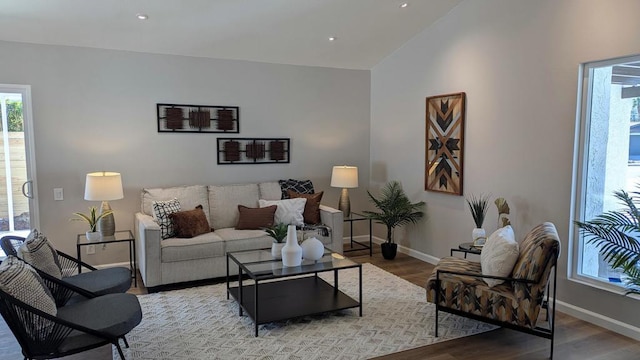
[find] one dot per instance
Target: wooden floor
(575, 339)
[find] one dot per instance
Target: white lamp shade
(344, 177)
(103, 186)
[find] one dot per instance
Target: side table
(359, 217)
(121, 236)
(467, 248)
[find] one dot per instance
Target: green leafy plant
(479, 205)
(92, 218)
(278, 232)
(395, 208)
(615, 234)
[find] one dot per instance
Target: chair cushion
(311, 208)
(114, 314)
(255, 218)
(21, 281)
(104, 281)
(299, 186)
(190, 223)
(499, 254)
(289, 211)
(224, 201)
(161, 211)
(38, 252)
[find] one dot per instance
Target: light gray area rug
(200, 323)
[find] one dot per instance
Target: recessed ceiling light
(332, 38)
(142, 16)
(404, 5)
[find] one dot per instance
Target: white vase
(276, 250)
(93, 236)
(312, 249)
(479, 237)
(291, 252)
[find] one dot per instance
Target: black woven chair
(76, 328)
(95, 281)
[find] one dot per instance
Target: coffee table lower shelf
(291, 298)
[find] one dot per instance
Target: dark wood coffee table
(280, 293)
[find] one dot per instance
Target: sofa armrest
(147, 234)
(333, 219)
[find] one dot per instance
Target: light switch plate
(58, 194)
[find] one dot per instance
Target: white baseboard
(105, 266)
(577, 312)
(598, 319)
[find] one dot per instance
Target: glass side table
(122, 236)
(360, 246)
(467, 248)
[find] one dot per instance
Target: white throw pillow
(161, 212)
(499, 255)
(290, 211)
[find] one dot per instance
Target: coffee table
(280, 293)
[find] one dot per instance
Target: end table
(361, 246)
(467, 248)
(122, 236)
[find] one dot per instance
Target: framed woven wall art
(239, 151)
(445, 143)
(177, 118)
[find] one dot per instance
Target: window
(607, 155)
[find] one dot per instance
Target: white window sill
(602, 285)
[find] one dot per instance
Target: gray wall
(517, 61)
(96, 110)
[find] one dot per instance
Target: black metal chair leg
(117, 344)
(436, 320)
(126, 343)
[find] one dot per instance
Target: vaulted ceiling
(275, 31)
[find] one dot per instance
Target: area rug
(200, 323)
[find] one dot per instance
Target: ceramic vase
(479, 237)
(291, 252)
(93, 236)
(312, 249)
(276, 250)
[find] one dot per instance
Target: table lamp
(104, 186)
(345, 177)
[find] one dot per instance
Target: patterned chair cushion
(37, 251)
(512, 302)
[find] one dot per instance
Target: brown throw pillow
(311, 208)
(255, 218)
(190, 223)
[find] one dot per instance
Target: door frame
(29, 142)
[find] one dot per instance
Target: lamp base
(107, 224)
(344, 204)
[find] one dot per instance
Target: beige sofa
(177, 260)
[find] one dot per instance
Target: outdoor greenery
(92, 218)
(616, 235)
(395, 208)
(479, 205)
(278, 232)
(14, 115)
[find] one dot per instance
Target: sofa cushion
(299, 186)
(224, 201)
(238, 240)
(289, 211)
(270, 190)
(190, 223)
(255, 218)
(188, 196)
(311, 208)
(499, 254)
(199, 247)
(161, 212)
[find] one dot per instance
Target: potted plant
(615, 233)
(478, 206)
(279, 234)
(395, 209)
(92, 218)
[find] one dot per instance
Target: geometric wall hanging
(198, 118)
(233, 151)
(444, 143)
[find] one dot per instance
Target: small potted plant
(478, 206)
(395, 209)
(92, 218)
(279, 234)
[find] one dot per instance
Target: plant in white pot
(395, 209)
(279, 234)
(478, 206)
(92, 219)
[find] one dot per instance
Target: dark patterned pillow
(299, 186)
(38, 252)
(161, 212)
(21, 281)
